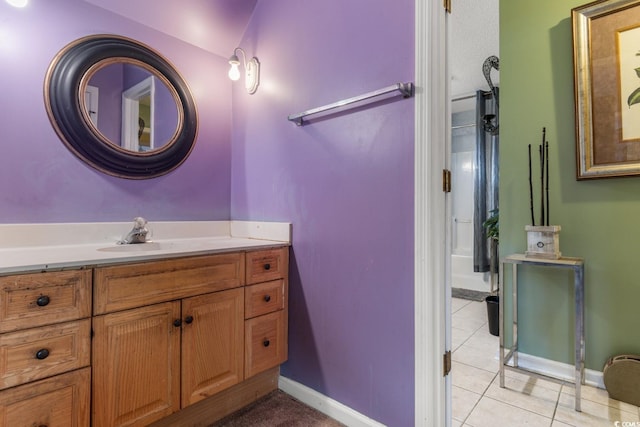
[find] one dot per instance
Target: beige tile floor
(478, 400)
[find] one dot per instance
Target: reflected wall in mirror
(120, 107)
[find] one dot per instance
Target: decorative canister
(543, 241)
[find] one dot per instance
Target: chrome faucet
(138, 234)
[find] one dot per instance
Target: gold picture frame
(606, 57)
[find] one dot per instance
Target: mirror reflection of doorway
(91, 94)
(144, 123)
(138, 116)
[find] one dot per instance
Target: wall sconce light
(252, 70)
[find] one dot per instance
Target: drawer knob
(267, 298)
(43, 300)
(266, 343)
(42, 354)
(177, 323)
(188, 320)
(267, 266)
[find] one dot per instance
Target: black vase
(493, 313)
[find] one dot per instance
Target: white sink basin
(139, 247)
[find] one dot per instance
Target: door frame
(432, 400)
(131, 112)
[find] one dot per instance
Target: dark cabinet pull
(188, 320)
(42, 354)
(266, 343)
(267, 266)
(267, 298)
(43, 300)
(177, 323)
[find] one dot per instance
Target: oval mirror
(120, 107)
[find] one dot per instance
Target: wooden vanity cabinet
(183, 346)
(45, 349)
(182, 341)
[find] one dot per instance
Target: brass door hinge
(446, 180)
(447, 6)
(446, 363)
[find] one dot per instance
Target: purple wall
(41, 181)
(345, 183)
(108, 80)
(165, 116)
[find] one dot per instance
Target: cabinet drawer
(33, 354)
(59, 401)
(135, 285)
(263, 298)
(29, 300)
(267, 265)
(265, 345)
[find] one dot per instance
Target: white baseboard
(558, 370)
(326, 405)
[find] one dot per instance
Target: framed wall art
(606, 55)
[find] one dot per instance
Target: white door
(432, 312)
(91, 103)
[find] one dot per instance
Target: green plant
(491, 225)
(634, 98)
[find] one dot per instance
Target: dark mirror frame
(67, 76)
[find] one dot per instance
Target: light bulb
(234, 72)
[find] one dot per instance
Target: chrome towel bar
(405, 89)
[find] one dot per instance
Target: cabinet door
(60, 401)
(136, 365)
(212, 344)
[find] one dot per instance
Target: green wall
(600, 219)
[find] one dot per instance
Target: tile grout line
(555, 409)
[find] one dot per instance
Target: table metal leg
(514, 304)
(579, 333)
(501, 321)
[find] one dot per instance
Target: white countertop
(39, 247)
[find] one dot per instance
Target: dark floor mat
(277, 409)
(469, 294)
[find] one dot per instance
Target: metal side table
(577, 265)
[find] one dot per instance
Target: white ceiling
(216, 26)
(473, 38)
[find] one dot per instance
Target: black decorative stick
(541, 152)
(547, 178)
(533, 219)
